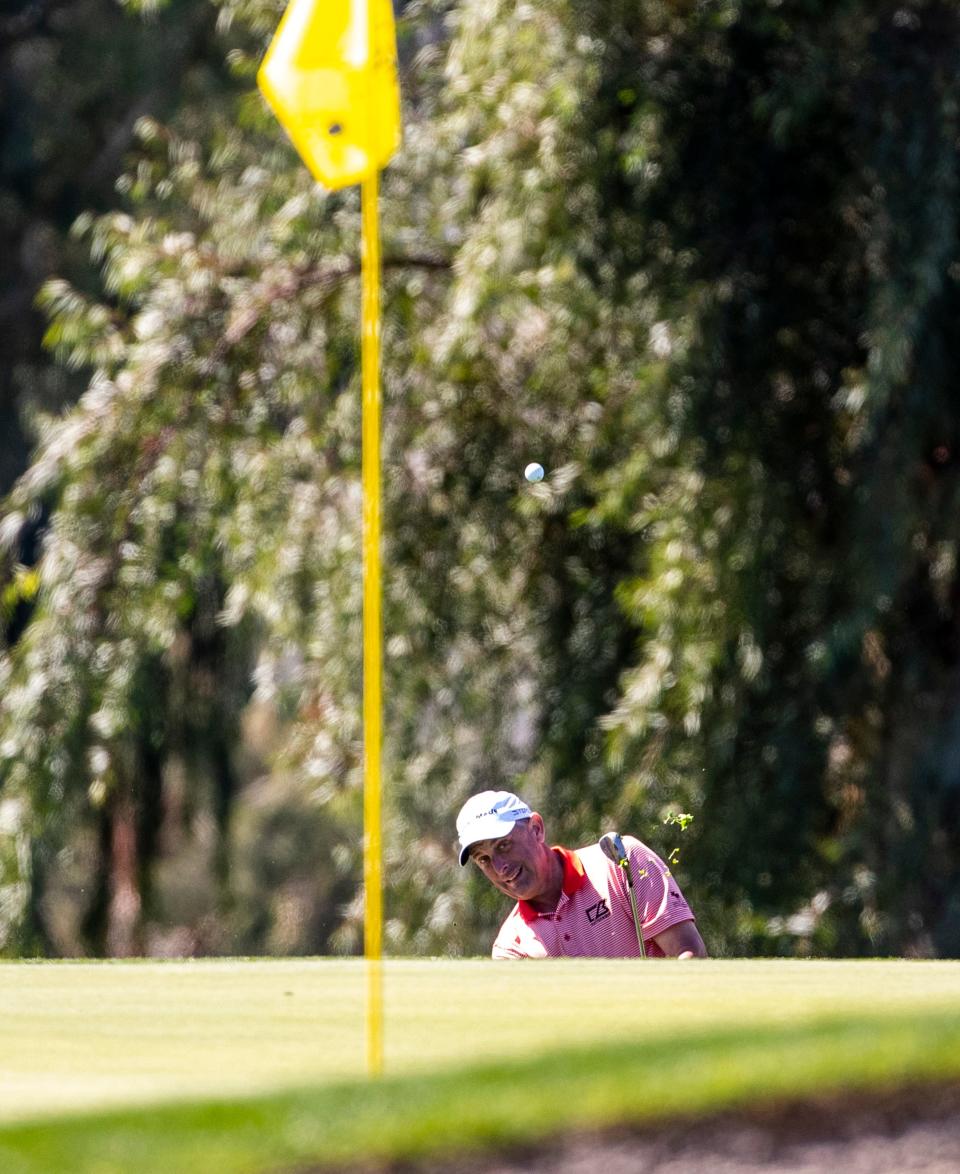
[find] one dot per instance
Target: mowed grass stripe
(617, 1081)
(90, 1036)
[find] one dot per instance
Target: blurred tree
(699, 261)
(74, 78)
(801, 215)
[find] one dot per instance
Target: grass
(258, 1065)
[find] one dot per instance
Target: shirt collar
(574, 878)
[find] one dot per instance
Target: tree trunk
(124, 939)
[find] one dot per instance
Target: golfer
(572, 904)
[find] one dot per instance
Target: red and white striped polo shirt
(593, 917)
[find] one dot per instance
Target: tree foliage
(700, 261)
(75, 75)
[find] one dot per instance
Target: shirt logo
(598, 912)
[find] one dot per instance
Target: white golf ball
(533, 471)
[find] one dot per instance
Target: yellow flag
(330, 77)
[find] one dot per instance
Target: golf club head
(612, 847)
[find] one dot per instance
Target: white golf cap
(488, 816)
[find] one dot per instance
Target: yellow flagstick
(372, 623)
(330, 76)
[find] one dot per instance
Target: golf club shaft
(612, 846)
(636, 915)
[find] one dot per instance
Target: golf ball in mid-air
(533, 471)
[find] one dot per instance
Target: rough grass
(254, 1066)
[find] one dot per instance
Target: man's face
(519, 864)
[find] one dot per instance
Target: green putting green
(247, 1065)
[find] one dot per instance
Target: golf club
(612, 847)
